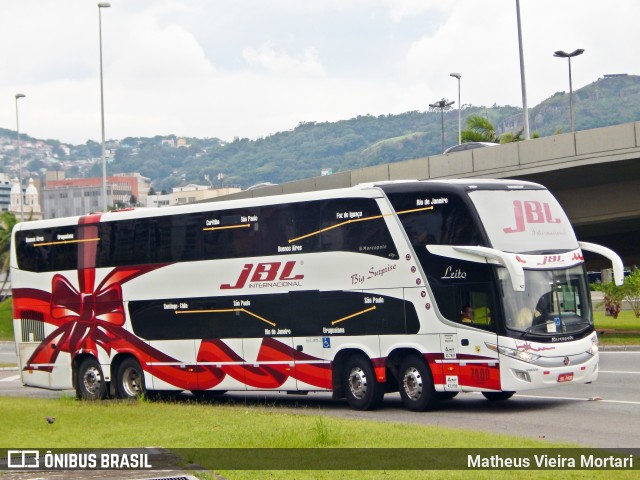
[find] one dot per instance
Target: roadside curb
(619, 348)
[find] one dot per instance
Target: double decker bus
(426, 288)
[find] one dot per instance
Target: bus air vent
(32, 326)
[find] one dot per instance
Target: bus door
(478, 366)
(312, 343)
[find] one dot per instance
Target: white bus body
(358, 291)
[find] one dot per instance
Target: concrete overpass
(595, 174)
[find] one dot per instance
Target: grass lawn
(624, 330)
(6, 320)
(625, 321)
(192, 425)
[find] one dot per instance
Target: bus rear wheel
(416, 384)
(497, 396)
(361, 388)
(130, 379)
(90, 384)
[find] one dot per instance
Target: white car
(469, 146)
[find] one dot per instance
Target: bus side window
(476, 308)
(117, 239)
(63, 256)
(235, 234)
(32, 258)
(142, 251)
(186, 238)
(356, 225)
(290, 228)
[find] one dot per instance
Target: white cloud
(280, 63)
(250, 68)
(401, 9)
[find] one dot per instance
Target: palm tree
(7, 222)
(480, 129)
(509, 137)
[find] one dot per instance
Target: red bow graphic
(86, 318)
(90, 313)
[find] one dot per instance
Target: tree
(479, 129)
(7, 222)
(613, 297)
(631, 291)
(509, 137)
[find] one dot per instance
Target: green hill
(344, 145)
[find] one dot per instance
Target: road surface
(603, 414)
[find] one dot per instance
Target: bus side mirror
(616, 261)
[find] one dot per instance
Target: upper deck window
(436, 218)
(345, 224)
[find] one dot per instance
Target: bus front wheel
(416, 384)
(361, 388)
(130, 379)
(90, 383)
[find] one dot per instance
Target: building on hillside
(155, 201)
(5, 192)
(196, 193)
(188, 194)
(71, 200)
(123, 186)
(30, 202)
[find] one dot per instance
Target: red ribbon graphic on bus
(88, 318)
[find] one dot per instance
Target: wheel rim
(358, 383)
(131, 382)
(412, 383)
(92, 380)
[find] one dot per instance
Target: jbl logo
(528, 212)
(264, 272)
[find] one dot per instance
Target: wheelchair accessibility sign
(326, 342)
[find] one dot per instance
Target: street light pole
(568, 56)
(442, 105)
(525, 109)
(104, 161)
(458, 76)
(18, 96)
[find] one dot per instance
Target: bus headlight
(510, 352)
(593, 350)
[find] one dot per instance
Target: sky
(252, 68)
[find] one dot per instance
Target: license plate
(565, 377)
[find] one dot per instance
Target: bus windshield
(556, 302)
